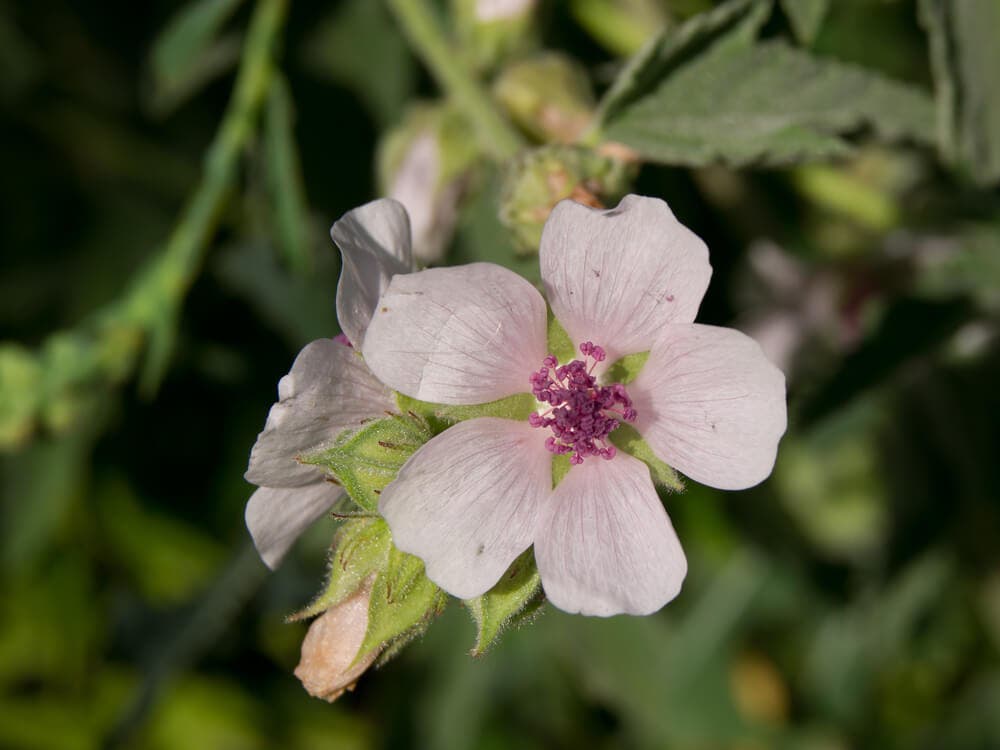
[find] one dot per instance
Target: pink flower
(473, 498)
(329, 388)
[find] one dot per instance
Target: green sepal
(440, 417)
(403, 602)
(560, 468)
(626, 438)
(560, 344)
(361, 548)
(365, 461)
(626, 369)
(516, 596)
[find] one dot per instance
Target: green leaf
(626, 369)
(770, 104)
(364, 462)
(188, 54)
(626, 438)
(965, 58)
(675, 46)
(284, 174)
(806, 17)
(360, 549)
(515, 596)
(403, 601)
(359, 46)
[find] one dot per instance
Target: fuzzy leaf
(403, 601)
(360, 549)
(965, 58)
(515, 596)
(769, 104)
(734, 20)
(626, 438)
(364, 462)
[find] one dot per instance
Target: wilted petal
(616, 277)
(277, 516)
(374, 242)
(328, 390)
(711, 405)
(467, 501)
(463, 335)
(327, 667)
(605, 545)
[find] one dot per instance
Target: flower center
(581, 413)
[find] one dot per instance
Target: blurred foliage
(170, 172)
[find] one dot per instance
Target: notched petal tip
(619, 275)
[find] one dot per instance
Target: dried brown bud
(329, 650)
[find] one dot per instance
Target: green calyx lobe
(440, 417)
(626, 438)
(366, 460)
(515, 598)
(403, 600)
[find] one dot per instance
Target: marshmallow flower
(329, 388)
(621, 281)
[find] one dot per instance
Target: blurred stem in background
(47, 388)
(496, 136)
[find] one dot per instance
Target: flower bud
(330, 661)
(537, 180)
(424, 164)
(548, 95)
(492, 31)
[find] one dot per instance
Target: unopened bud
(539, 179)
(548, 95)
(424, 164)
(492, 31)
(330, 661)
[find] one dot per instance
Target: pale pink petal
(463, 335)
(374, 242)
(328, 390)
(711, 405)
(605, 545)
(277, 516)
(616, 277)
(466, 502)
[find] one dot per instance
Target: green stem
(496, 136)
(103, 351)
(171, 275)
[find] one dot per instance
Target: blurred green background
(164, 256)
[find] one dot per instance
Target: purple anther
(582, 413)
